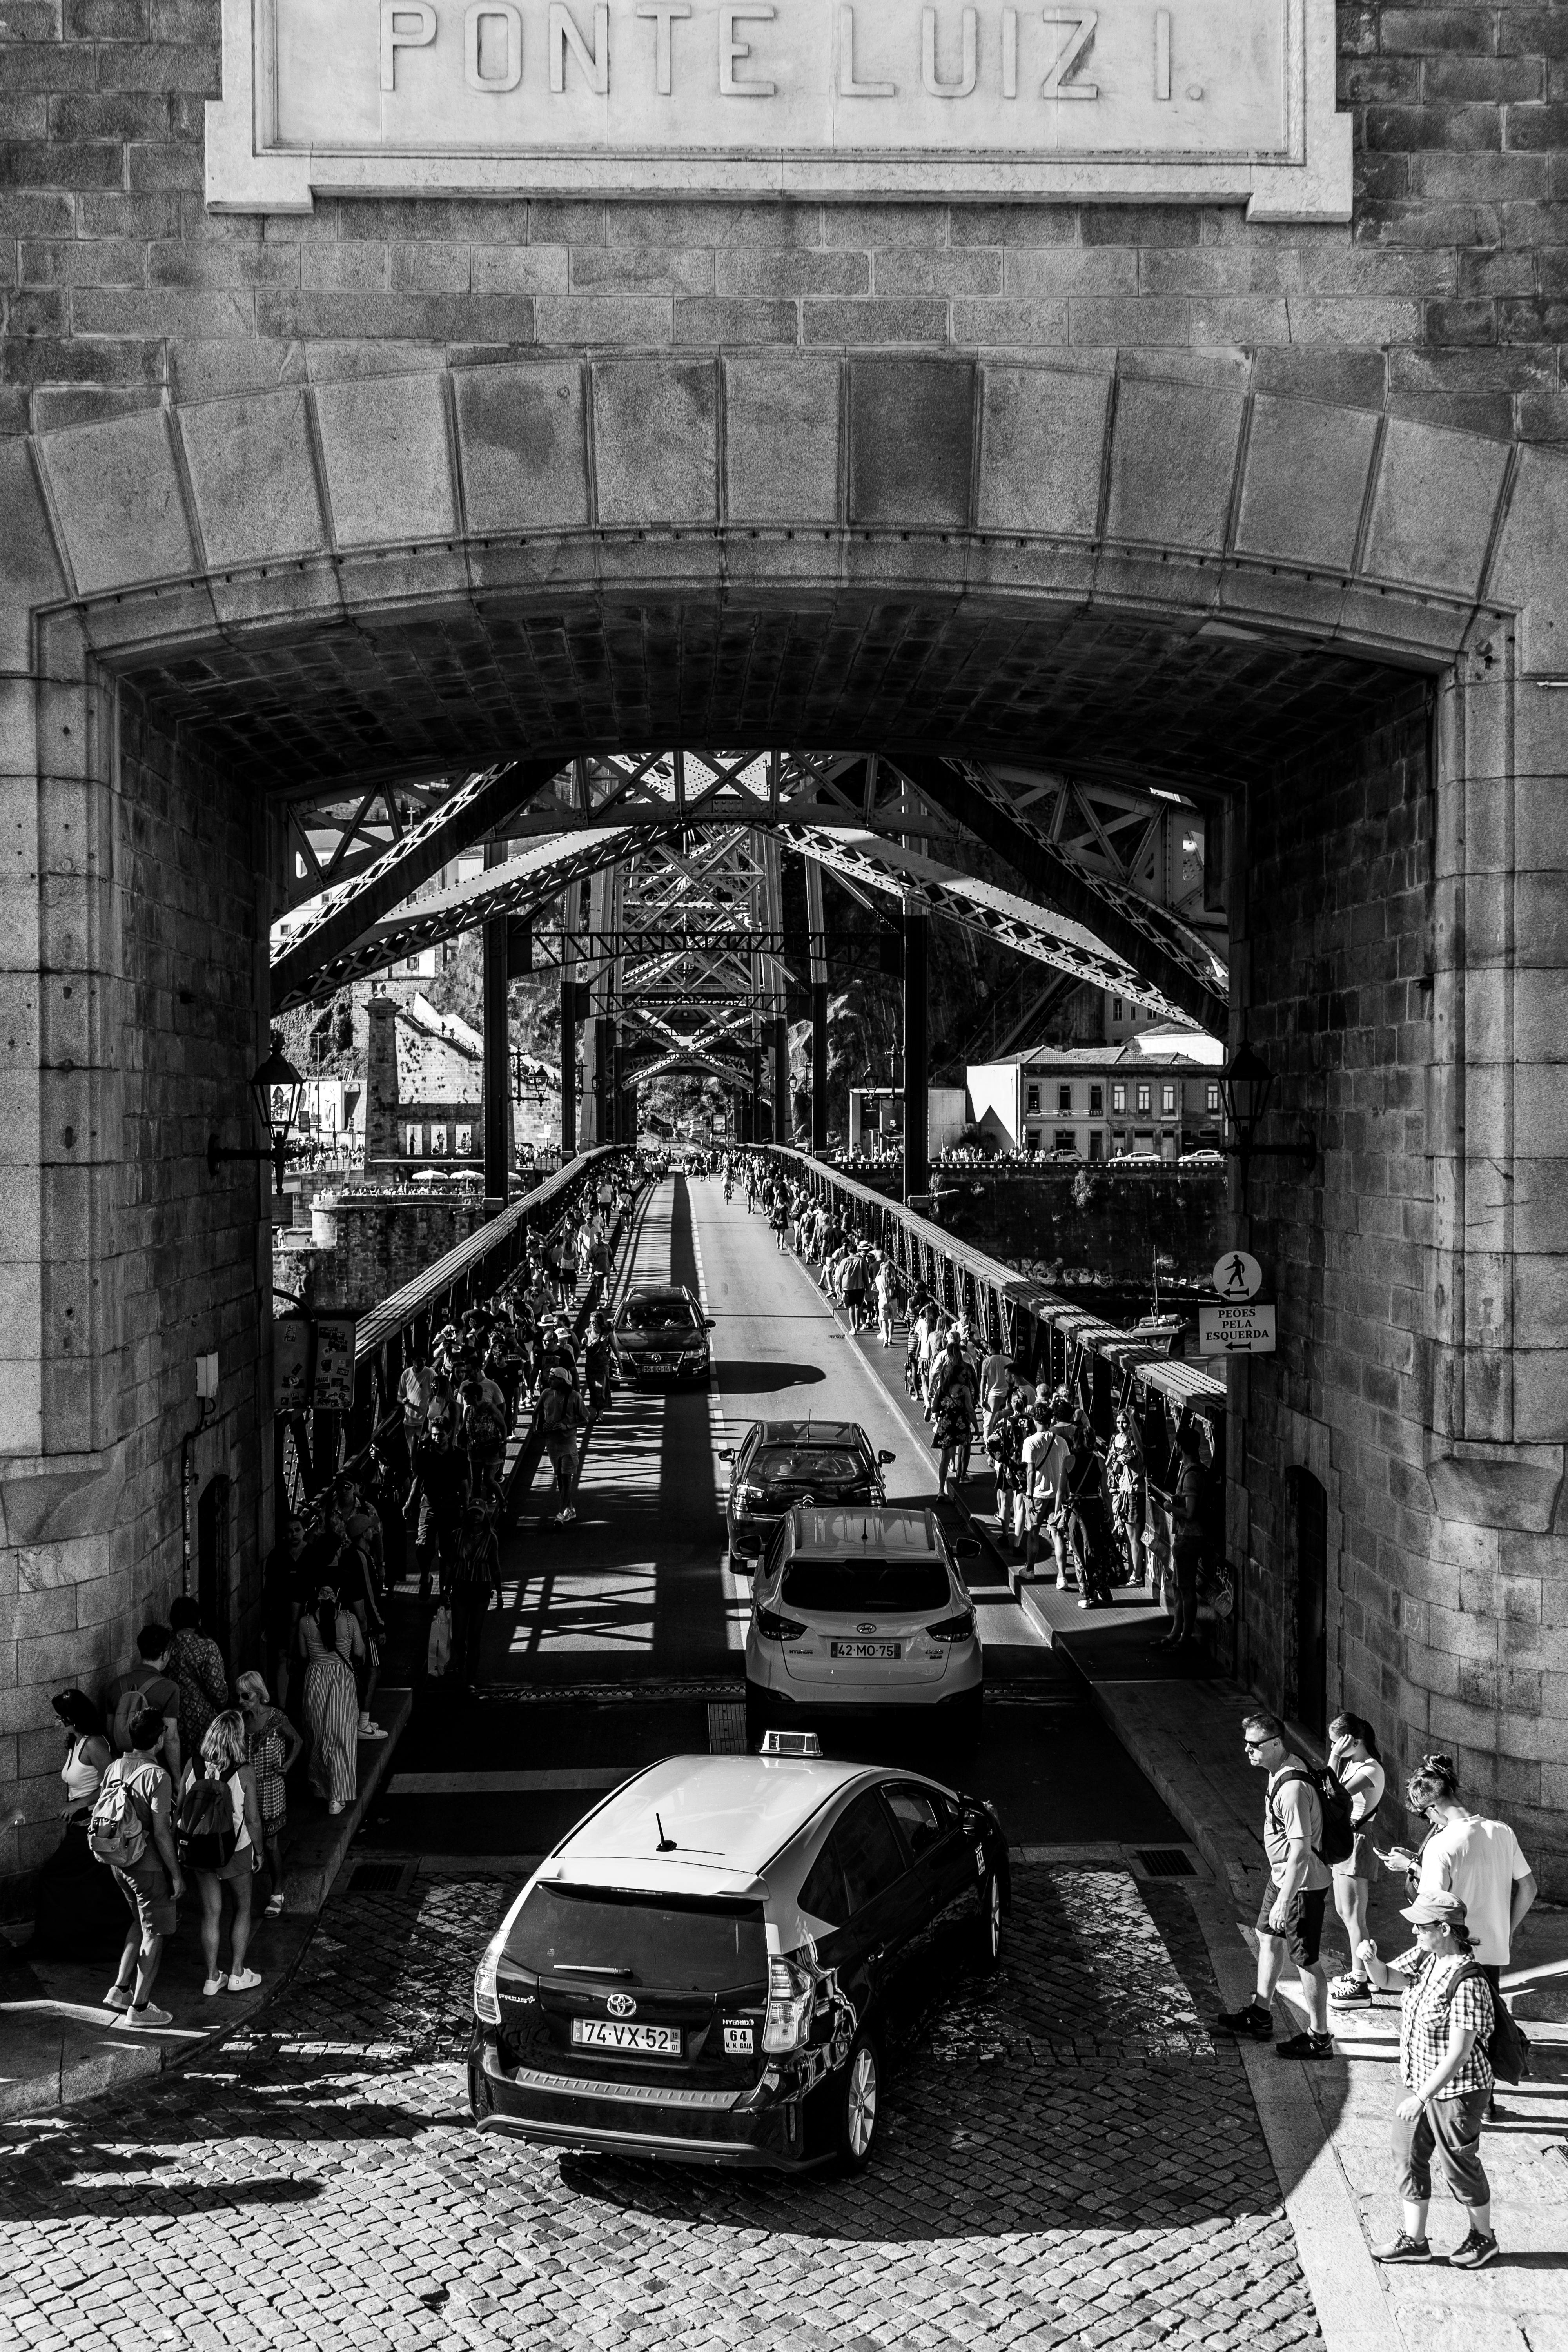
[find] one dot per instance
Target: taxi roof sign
(791, 1743)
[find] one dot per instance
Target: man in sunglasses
(1291, 1923)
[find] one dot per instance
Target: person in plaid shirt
(1446, 2020)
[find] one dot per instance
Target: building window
(415, 1143)
(1064, 1099)
(1167, 1099)
(1032, 1099)
(1031, 1139)
(1212, 1097)
(1097, 1102)
(1096, 1144)
(1116, 1008)
(1118, 1097)
(438, 1142)
(1066, 1141)
(1144, 1099)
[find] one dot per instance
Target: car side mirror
(728, 1454)
(708, 1323)
(886, 1456)
(965, 1547)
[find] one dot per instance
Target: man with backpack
(148, 1684)
(1306, 1829)
(130, 1831)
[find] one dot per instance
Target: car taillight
(774, 1628)
(487, 2003)
(790, 1995)
(960, 1628)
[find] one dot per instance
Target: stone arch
(163, 566)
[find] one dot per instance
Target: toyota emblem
(865, 1628)
(621, 2004)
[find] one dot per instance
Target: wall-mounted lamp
(1246, 1081)
(275, 1089)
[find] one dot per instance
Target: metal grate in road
(726, 1728)
(1164, 1862)
(377, 1878)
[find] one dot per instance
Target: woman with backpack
(1353, 1754)
(218, 1830)
(329, 1642)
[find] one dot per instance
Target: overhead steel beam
(1167, 963)
(309, 940)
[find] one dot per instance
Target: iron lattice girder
(521, 886)
(695, 863)
(996, 915)
(308, 945)
(1166, 966)
(337, 835)
(688, 1062)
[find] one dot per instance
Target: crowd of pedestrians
(1468, 1890)
(176, 1780)
(1076, 1509)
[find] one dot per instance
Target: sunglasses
(1255, 1743)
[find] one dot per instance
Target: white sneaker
(247, 1980)
(214, 1984)
(336, 1806)
(369, 1731)
(134, 2019)
(567, 1516)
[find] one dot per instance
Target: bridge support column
(818, 954)
(783, 1123)
(917, 939)
(497, 1047)
(568, 1059)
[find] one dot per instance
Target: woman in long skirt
(329, 1641)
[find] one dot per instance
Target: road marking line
(510, 1784)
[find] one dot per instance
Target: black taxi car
(706, 1967)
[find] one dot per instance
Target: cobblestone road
(1068, 2158)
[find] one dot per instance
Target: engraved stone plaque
(1202, 101)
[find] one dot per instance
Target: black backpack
(205, 1833)
(1334, 1803)
(1508, 2045)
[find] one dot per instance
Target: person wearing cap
(1446, 2019)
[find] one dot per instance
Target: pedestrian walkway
(1328, 2126)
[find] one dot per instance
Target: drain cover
(376, 1878)
(1164, 1862)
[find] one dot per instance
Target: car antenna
(665, 1844)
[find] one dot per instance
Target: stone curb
(32, 2084)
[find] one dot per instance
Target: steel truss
(1115, 877)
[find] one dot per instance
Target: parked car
(706, 1967)
(779, 1463)
(661, 1334)
(864, 1610)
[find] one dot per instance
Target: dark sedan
(661, 1335)
(781, 1464)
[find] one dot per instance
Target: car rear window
(659, 1315)
(865, 1588)
(793, 1465)
(680, 1944)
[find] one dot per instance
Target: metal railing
(314, 1446)
(1106, 1369)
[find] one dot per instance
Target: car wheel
(860, 2104)
(988, 1927)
